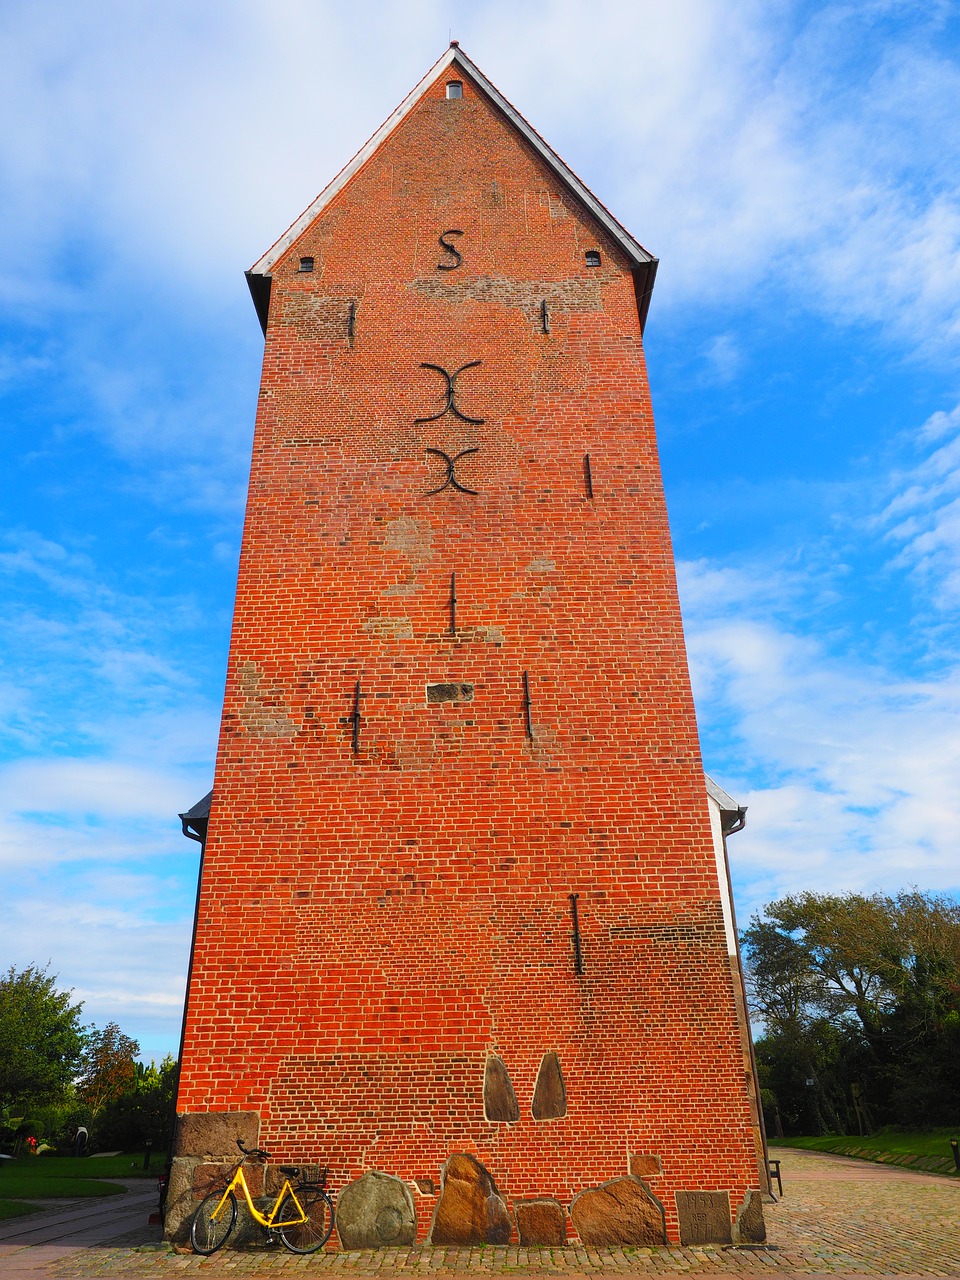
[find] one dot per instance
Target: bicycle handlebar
(254, 1151)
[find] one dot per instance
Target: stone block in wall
(470, 1210)
(550, 1093)
(214, 1133)
(621, 1211)
(704, 1217)
(376, 1211)
(180, 1204)
(751, 1227)
(499, 1098)
(646, 1166)
(541, 1222)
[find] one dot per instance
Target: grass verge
(929, 1151)
(13, 1209)
(63, 1177)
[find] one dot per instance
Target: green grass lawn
(14, 1209)
(895, 1144)
(66, 1177)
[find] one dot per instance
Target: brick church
(462, 933)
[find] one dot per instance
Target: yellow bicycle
(302, 1216)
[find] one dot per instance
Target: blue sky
(795, 167)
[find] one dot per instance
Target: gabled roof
(644, 264)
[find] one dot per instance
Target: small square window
(306, 264)
(454, 88)
(593, 257)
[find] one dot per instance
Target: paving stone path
(837, 1217)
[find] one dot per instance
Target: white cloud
(125, 966)
(849, 772)
(923, 516)
(107, 788)
(848, 764)
(723, 359)
(850, 768)
(745, 144)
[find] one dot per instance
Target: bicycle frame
(239, 1182)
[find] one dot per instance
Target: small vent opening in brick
(593, 257)
(306, 264)
(454, 88)
(449, 692)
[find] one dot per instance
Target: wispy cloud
(923, 516)
(803, 149)
(847, 763)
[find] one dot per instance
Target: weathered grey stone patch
(376, 1211)
(263, 713)
(389, 628)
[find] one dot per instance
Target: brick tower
(460, 931)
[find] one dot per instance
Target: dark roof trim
(193, 823)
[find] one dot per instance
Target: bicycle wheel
(313, 1234)
(209, 1232)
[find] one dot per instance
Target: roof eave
(259, 287)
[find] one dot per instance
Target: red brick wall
(373, 924)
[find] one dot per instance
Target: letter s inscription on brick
(454, 253)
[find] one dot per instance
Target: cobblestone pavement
(837, 1217)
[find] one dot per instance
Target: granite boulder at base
(751, 1227)
(376, 1211)
(621, 1211)
(470, 1210)
(704, 1217)
(541, 1222)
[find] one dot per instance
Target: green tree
(857, 990)
(41, 1039)
(143, 1111)
(109, 1066)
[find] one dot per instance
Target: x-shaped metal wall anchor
(451, 474)
(451, 392)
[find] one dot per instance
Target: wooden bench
(773, 1167)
